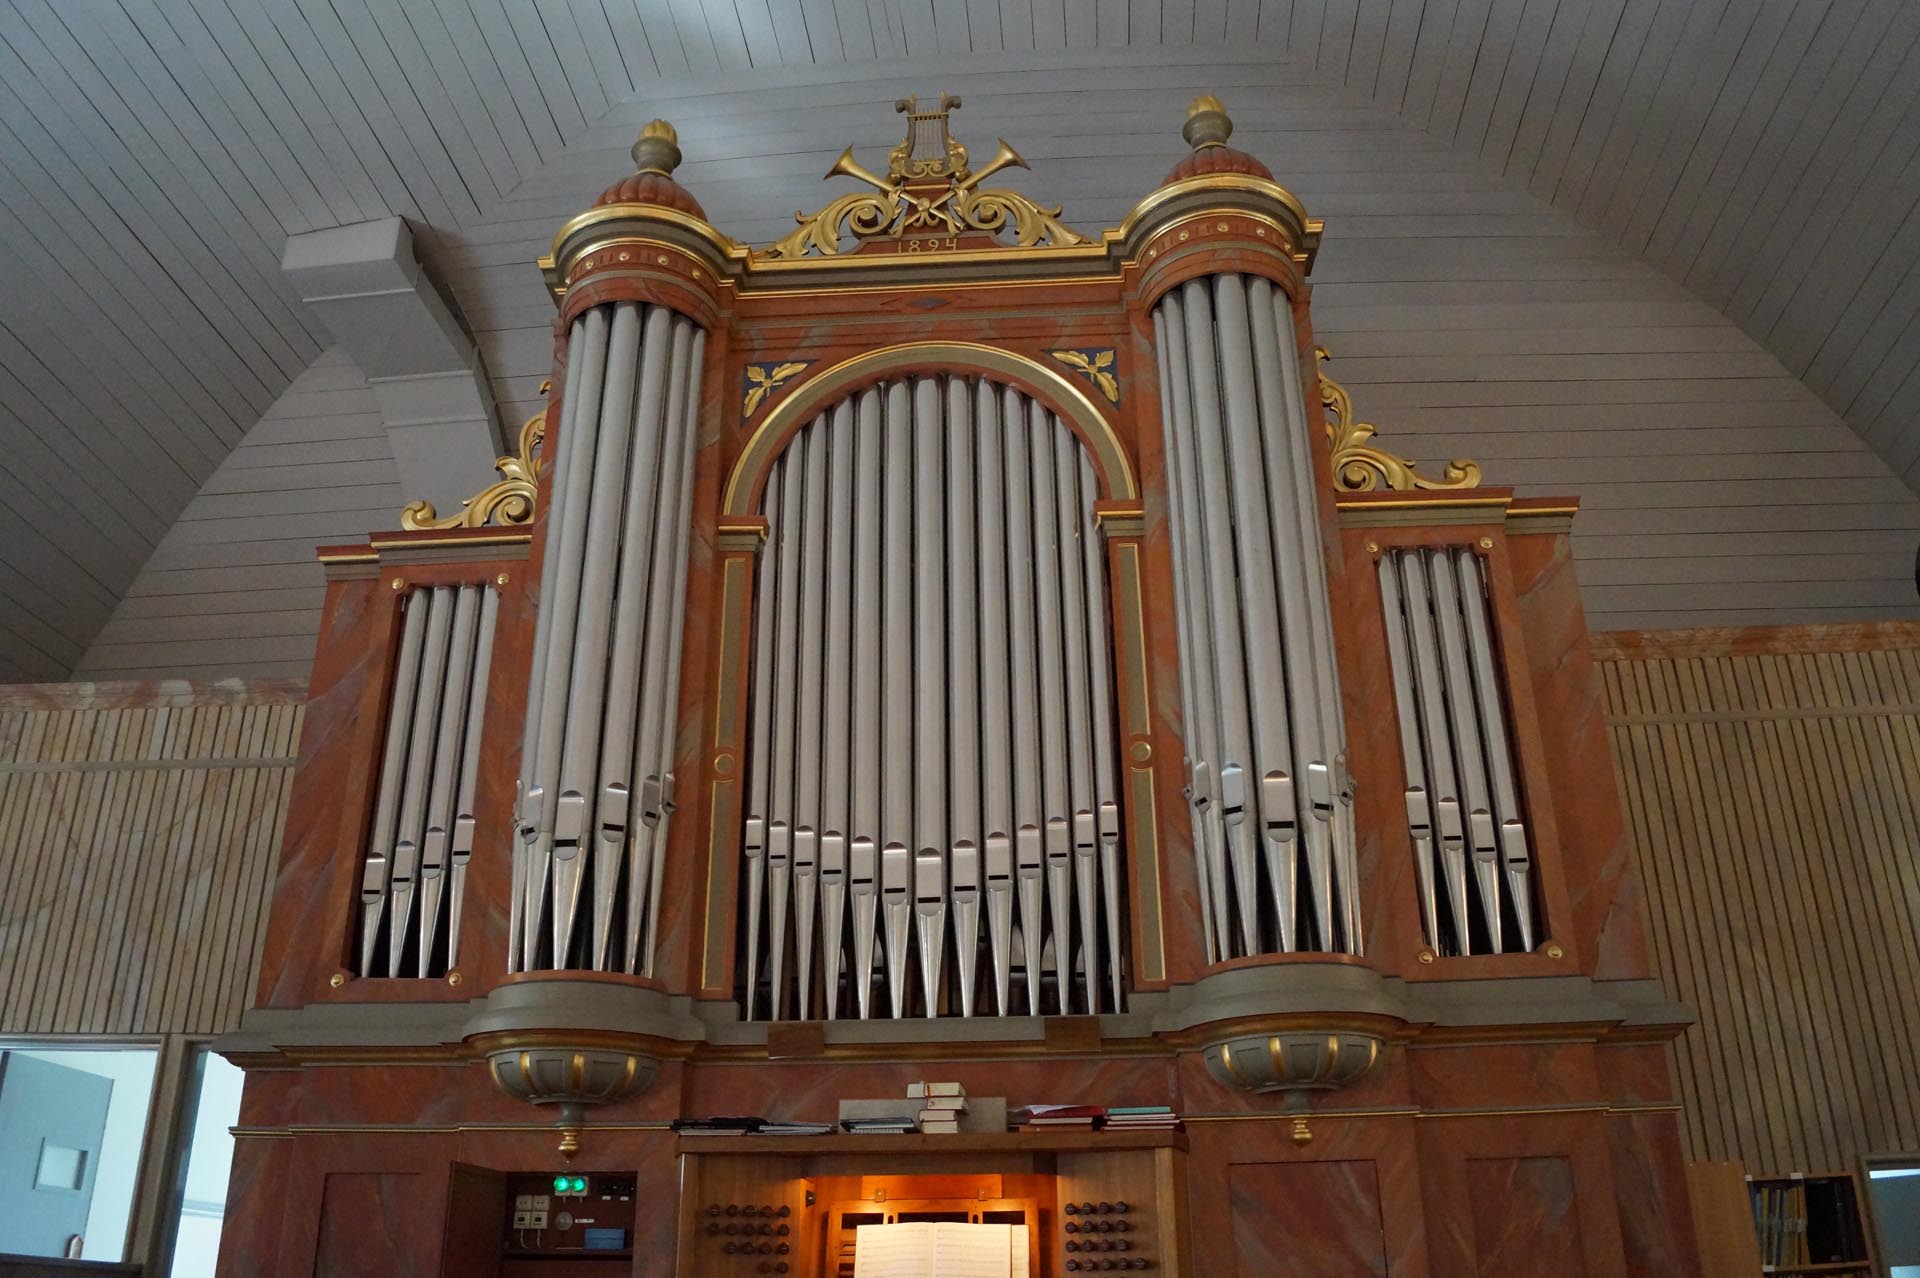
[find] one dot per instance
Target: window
(1894, 1187)
(214, 1109)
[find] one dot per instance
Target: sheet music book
(940, 1249)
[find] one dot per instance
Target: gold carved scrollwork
(1362, 467)
(928, 190)
(508, 503)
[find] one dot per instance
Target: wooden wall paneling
(134, 828)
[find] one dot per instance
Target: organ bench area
(945, 644)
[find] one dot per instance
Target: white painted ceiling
(155, 154)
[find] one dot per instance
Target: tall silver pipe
(607, 538)
(1466, 737)
(1412, 752)
(1449, 826)
(554, 452)
(1106, 787)
(786, 706)
(566, 536)
(1071, 569)
(996, 716)
(413, 792)
(837, 712)
(377, 876)
(436, 847)
(806, 793)
(1029, 816)
(1223, 606)
(930, 625)
(1515, 859)
(863, 850)
(1334, 790)
(1199, 729)
(760, 777)
(1273, 758)
(963, 709)
(652, 776)
(466, 807)
(1050, 640)
(896, 668)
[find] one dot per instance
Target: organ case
(941, 643)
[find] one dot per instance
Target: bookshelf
(1811, 1224)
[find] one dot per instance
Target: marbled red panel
(1650, 1179)
(814, 1091)
(424, 1096)
(250, 1233)
(1523, 1217)
(1229, 1162)
(1602, 886)
(1635, 1072)
(1317, 1218)
(1504, 1074)
(371, 1223)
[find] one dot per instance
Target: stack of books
(941, 1105)
(1030, 1118)
(886, 1124)
(1142, 1118)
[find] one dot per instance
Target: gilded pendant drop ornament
(507, 504)
(1360, 467)
(928, 193)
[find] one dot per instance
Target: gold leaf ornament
(1359, 466)
(1096, 366)
(507, 503)
(764, 379)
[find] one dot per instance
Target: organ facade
(942, 644)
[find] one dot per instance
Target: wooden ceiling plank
(209, 79)
(1456, 71)
(920, 34)
(65, 619)
(1082, 18)
(632, 41)
(98, 439)
(1146, 17)
(233, 62)
(1809, 165)
(1588, 135)
(556, 44)
(763, 43)
(1678, 239)
(1853, 214)
(392, 110)
(77, 558)
(1113, 21)
(178, 327)
(1614, 137)
(451, 39)
(84, 504)
(1857, 341)
(1407, 23)
(790, 29)
(696, 38)
(1734, 233)
(1719, 71)
(1855, 273)
(1493, 60)
(201, 227)
(1370, 25)
(823, 28)
(595, 24)
(1515, 94)
(1564, 37)
(1575, 98)
(538, 93)
(1335, 47)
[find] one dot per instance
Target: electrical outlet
(522, 1220)
(536, 1220)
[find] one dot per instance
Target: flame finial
(1208, 124)
(658, 150)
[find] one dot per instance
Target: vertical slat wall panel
(1772, 787)
(139, 826)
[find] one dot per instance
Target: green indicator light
(560, 1184)
(579, 1184)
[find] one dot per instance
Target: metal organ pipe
(1264, 729)
(955, 550)
(1454, 736)
(422, 834)
(595, 785)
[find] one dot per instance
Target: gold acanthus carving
(508, 503)
(1360, 467)
(762, 380)
(928, 191)
(1096, 366)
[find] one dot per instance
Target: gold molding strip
(1362, 467)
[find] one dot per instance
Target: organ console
(946, 643)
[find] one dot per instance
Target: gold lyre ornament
(1360, 467)
(506, 503)
(928, 191)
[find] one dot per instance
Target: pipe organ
(946, 644)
